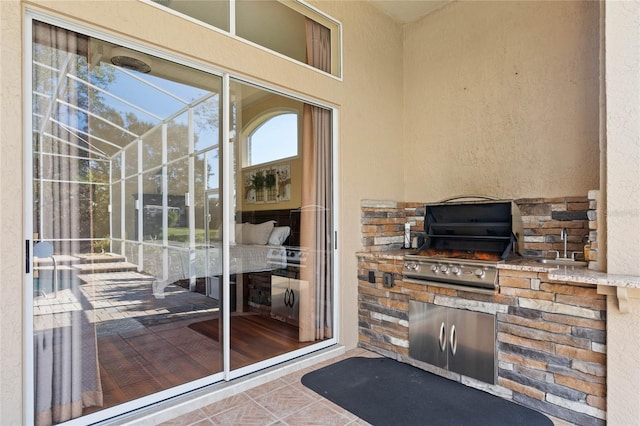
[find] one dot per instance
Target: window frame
(300, 6)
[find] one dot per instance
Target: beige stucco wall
(623, 137)
(369, 146)
(11, 225)
(622, 75)
(501, 99)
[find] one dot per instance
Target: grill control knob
(455, 270)
(435, 269)
(479, 273)
(444, 269)
(412, 266)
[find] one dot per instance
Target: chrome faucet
(564, 237)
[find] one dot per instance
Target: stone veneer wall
(543, 220)
(551, 338)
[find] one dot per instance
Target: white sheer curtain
(316, 211)
(65, 354)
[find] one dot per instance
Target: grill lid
(472, 226)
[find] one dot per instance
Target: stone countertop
(572, 274)
(587, 276)
(398, 254)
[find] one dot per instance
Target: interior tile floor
(284, 401)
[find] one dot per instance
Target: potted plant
(258, 183)
(270, 183)
(270, 179)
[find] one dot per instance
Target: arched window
(274, 138)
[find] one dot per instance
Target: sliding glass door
(174, 244)
(282, 273)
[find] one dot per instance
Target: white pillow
(239, 231)
(257, 234)
(279, 235)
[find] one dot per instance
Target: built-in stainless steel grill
(464, 242)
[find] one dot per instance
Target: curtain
(318, 45)
(65, 353)
(315, 213)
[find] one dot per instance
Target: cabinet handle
(453, 340)
(443, 338)
(289, 298)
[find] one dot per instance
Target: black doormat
(383, 391)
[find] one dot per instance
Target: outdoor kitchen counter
(573, 274)
(568, 274)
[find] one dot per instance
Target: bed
(261, 242)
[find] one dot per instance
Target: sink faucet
(564, 237)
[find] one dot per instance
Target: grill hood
(493, 226)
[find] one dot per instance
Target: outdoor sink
(562, 262)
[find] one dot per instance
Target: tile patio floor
(284, 401)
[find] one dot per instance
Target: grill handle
(469, 197)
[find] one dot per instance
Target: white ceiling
(405, 11)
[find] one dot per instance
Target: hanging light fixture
(131, 60)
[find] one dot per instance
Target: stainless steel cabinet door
(280, 296)
(285, 297)
(428, 333)
(471, 339)
(294, 298)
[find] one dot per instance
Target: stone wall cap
(384, 204)
(587, 276)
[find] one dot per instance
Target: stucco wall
(623, 206)
(369, 147)
(501, 99)
(623, 137)
(11, 224)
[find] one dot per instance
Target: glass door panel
(119, 201)
(282, 209)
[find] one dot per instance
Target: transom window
(283, 26)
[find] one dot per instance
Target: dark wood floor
(157, 357)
